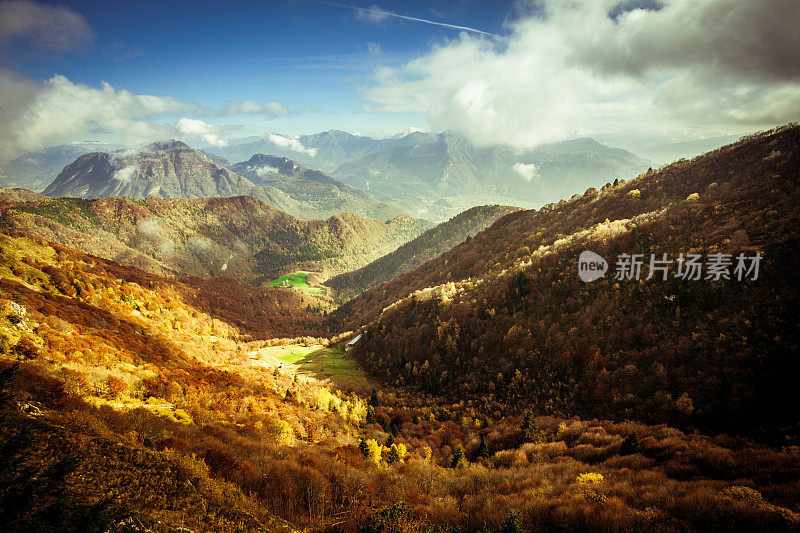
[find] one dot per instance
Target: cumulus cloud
(34, 114)
(526, 170)
(202, 130)
(596, 66)
(249, 107)
(292, 143)
(45, 28)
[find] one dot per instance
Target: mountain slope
(132, 402)
(317, 194)
(522, 328)
(441, 174)
(239, 237)
(412, 254)
(166, 169)
(35, 170)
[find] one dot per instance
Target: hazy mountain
(506, 312)
(409, 256)
(326, 150)
(238, 236)
(437, 175)
(317, 194)
(174, 170)
(218, 159)
(667, 152)
(36, 170)
(433, 175)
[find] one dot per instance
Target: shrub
(589, 478)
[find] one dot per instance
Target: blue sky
(302, 53)
(517, 72)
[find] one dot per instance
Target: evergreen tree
(370, 415)
(458, 458)
(512, 523)
(394, 454)
(630, 444)
(483, 450)
(530, 432)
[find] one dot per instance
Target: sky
(518, 72)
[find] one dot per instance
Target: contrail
(383, 13)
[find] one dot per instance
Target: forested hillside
(505, 320)
(131, 402)
(414, 253)
(239, 237)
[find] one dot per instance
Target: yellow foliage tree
(374, 451)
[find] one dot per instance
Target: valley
(458, 377)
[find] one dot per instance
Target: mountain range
(426, 175)
(438, 175)
(174, 170)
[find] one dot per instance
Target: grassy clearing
(332, 364)
(293, 357)
(297, 280)
(318, 362)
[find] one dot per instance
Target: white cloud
(374, 49)
(50, 28)
(149, 226)
(526, 170)
(34, 114)
(292, 143)
(415, 129)
(125, 174)
(266, 170)
(197, 128)
(249, 107)
(373, 14)
(729, 65)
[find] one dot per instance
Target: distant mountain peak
(171, 144)
(164, 168)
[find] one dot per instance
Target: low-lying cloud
(591, 66)
(201, 130)
(292, 143)
(126, 174)
(266, 170)
(526, 170)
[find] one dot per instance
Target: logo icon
(591, 266)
